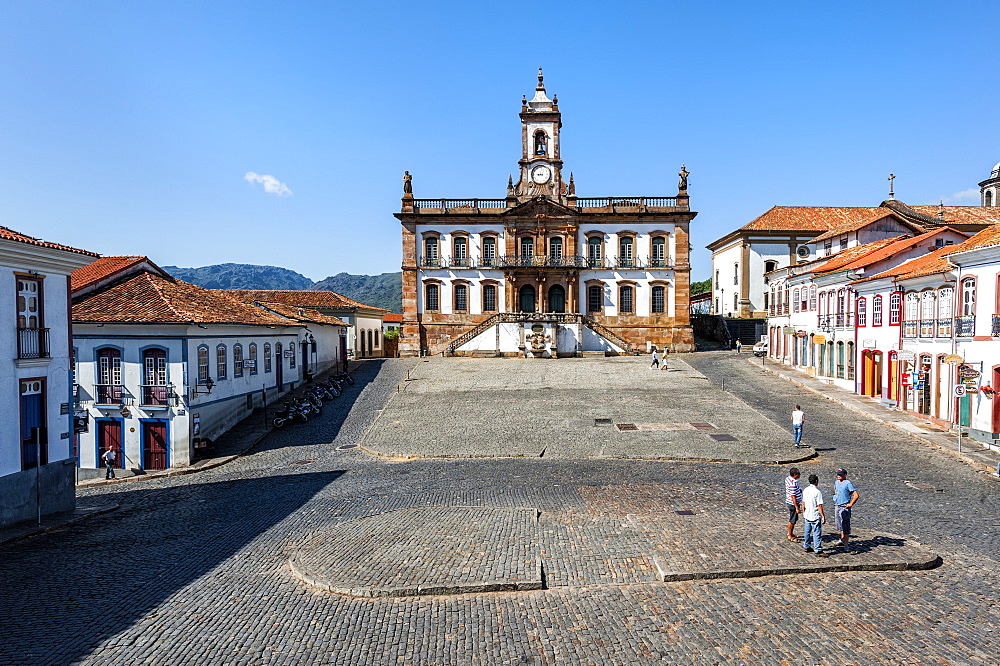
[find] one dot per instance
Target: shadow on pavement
(105, 574)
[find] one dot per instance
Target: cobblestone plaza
(518, 530)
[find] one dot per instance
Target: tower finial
(541, 84)
(892, 195)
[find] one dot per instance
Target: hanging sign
(959, 390)
(967, 372)
(788, 330)
(906, 380)
(953, 358)
(801, 334)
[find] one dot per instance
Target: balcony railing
(965, 327)
(157, 394)
(910, 328)
(518, 261)
(626, 204)
(927, 328)
(33, 343)
(109, 394)
(995, 331)
(457, 205)
(944, 328)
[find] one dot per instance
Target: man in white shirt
(798, 418)
(812, 512)
(109, 463)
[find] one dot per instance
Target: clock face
(540, 174)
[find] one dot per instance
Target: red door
(154, 445)
(109, 436)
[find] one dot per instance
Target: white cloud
(964, 195)
(271, 184)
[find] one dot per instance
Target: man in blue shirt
(844, 496)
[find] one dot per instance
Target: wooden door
(154, 445)
(279, 366)
(33, 433)
(109, 436)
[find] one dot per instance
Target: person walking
(812, 501)
(656, 359)
(793, 500)
(739, 346)
(845, 495)
(666, 357)
(109, 462)
(798, 418)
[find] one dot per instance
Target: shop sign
(953, 358)
(788, 330)
(905, 355)
(967, 372)
(250, 364)
(801, 334)
(819, 339)
(869, 344)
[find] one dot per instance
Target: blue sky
(129, 128)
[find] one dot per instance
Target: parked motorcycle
(322, 392)
(307, 406)
(332, 387)
(287, 414)
(345, 377)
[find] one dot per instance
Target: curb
(850, 404)
(930, 562)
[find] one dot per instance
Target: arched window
(894, 308)
(770, 266)
(736, 273)
(489, 298)
(237, 360)
(988, 198)
(432, 297)
(526, 298)
(527, 247)
(927, 304)
(202, 364)
(877, 311)
(736, 301)
(252, 357)
(658, 256)
(626, 295)
(460, 251)
(109, 376)
(968, 297)
(595, 298)
(557, 298)
(461, 298)
(221, 362)
(862, 312)
(541, 143)
(154, 377)
(489, 251)
(795, 300)
(431, 256)
(267, 357)
(594, 254)
(626, 258)
(841, 301)
(659, 301)
(556, 250)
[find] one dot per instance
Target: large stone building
(542, 271)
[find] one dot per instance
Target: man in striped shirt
(793, 499)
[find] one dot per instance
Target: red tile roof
(937, 261)
(814, 218)
(308, 315)
(148, 298)
(880, 250)
(856, 254)
(10, 234)
(305, 298)
(963, 214)
(392, 318)
(103, 267)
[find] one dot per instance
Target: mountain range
(382, 291)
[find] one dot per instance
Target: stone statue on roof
(682, 186)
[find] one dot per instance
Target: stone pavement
(981, 456)
(575, 408)
(195, 569)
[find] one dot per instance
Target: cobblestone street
(503, 477)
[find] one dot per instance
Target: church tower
(540, 163)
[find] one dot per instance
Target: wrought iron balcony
(158, 394)
(927, 327)
(995, 331)
(109, 394)
(910, 328)
(532, 261)
(944, 328)
(965, 327)
(33, 343)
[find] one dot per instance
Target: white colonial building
(162, 365)
(37, 461)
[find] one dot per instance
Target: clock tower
(540, 164)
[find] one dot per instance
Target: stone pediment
(540, 206)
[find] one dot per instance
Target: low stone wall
(57, 481)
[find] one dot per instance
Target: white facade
(36, 389)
